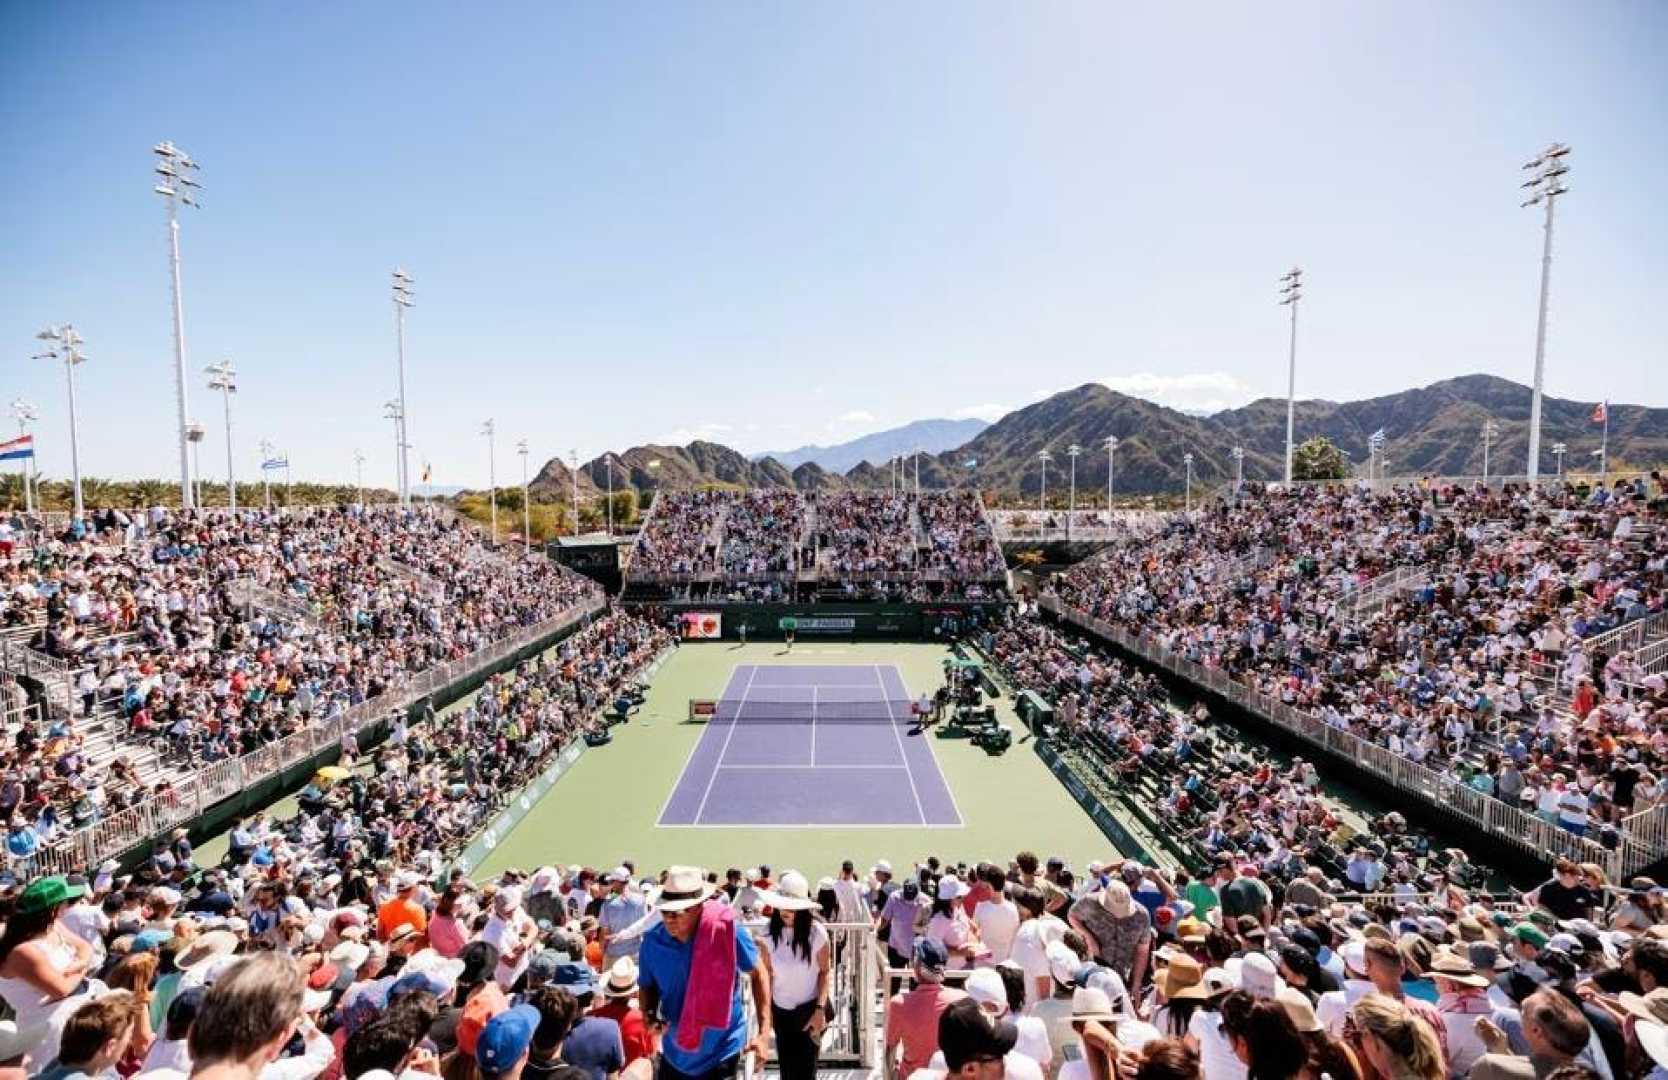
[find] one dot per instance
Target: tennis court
(812, 746)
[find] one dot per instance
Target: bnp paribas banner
(510, 816)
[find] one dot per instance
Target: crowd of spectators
(297, 961)
(959, 540)
(867, 531)
(678, 537)
(1477, 668)
(150, 617)
(761, 532)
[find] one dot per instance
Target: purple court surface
(755, 767)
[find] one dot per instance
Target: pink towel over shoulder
(710, 994)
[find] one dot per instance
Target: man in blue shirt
(663, 977)
(623, 908)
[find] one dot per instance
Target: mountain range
(1436, 429)
(931, 436)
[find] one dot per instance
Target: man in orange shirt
(403, 909)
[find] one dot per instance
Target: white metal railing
(1630, 635)
(1443, 792)
(212, 783)
(1380, 590)
(248, 593)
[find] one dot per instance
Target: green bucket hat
(46, 893)
(1530, 935)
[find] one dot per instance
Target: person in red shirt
(619, 1004)
(403, 909)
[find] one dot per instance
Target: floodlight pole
(526, 503)
(1545, 185)
(1291, 292)
(1111, 451)
(359, 476)
(67, 347)
(1187, 459)
(1071, 502)
(25, 412)
(174, 166)
(403, 297)
(392, 410)
(1042, 497)
(1489, 431)
(194, 433)
(573, 476)
(223, 377)
(917, 457)
(492, 477)
(1239, 471)
(266, 474)
(608, 466)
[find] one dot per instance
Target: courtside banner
(701, 625)
(823, 625)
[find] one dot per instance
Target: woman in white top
(950, 926)
(43, 968)
(795, 947)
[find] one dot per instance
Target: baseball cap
(506, 1039)
(985, 986)
(967, 1033)
(930, 956)
(1063, 964)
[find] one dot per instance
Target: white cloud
(855, 416)
(989, 412)
(706, 432)
(1208, 390)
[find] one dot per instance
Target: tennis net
(756, 710)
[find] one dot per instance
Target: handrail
(1491, 815)
(110, 836)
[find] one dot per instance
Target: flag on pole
(275, 463)
(428, 471)
(21, 447)
(1601, 412)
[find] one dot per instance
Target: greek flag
(275, 463)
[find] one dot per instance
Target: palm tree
(148, 492)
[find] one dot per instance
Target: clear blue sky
(781, 223)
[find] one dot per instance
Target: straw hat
(792, 893)
(1088, 1003)
(1298, 1008)
(1449, 965)
(1651, 1007)
(686, 886)
(207, 947)
(1183, 978)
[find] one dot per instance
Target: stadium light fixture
(608, 467)
(66, 346)
(1239, 471)
(1375, 452)
(178, 186)
(26, 414)
(266, 448)
(403, 298)
(1111, 444)
(1558, 451)
(359, 474)
(223, 377)
(1291, 292)
(1187, 459)
(487, 430)
(1545, 184)
(1071, 500)
(573, 478)
(1490, 430)
(194, 433)
(392, 410)
(1042, 498)
(526, 503)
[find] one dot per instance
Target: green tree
(1318, 459)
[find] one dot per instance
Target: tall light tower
(1111, 460)
(1291, 292)
(1490, 430)
(1545, 185)
(266, 448)
(359, 474)
(917, 456)
(1558, 451)
(223, 377)
(403, 298)
(608, 467)
(573, 476)
(178, 187)
(1375, 447)
(526, 501)
(1239, 471)
(1071, 500)
(391, 410)
(1187, 459)
(1042, 496)
(487, 430)
(194, 433)
(66, 346)
(26, 414)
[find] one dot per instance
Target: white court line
(728, 735)
(943, 778)
(693, 747)
(813, 725)
(762, 767)
(920, 811)
(823, 825)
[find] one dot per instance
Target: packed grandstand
(1507, 640)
